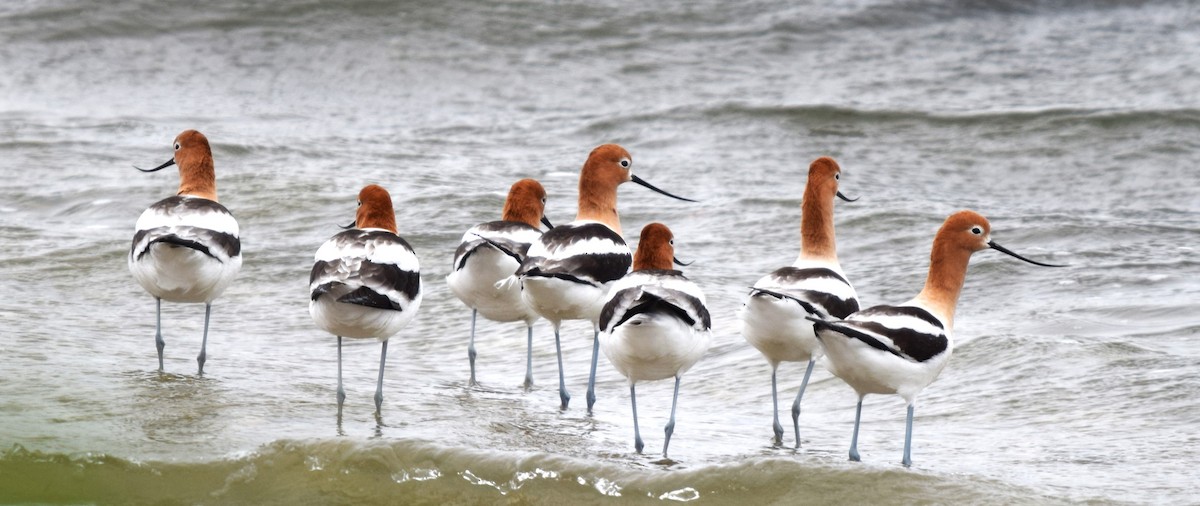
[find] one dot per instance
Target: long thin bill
(682, 263)
(643, 182)
(350, 226)
(1004, 250)
(546, 222)
(847, 199)
(166, 164)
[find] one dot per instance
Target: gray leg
(775, 426)
(379, 384)
(796, 405)
(591, 391)
(528, 357)
(562, 383)
(854, 438)
(670, 428)
(907, 460)
(637, 434)
(204, 342)
(158, 339)
(341, 392)
(471, 348)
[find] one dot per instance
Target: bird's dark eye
(360, 202)
(976, 230)
(625, 163)
(176, 146)
(837, 176)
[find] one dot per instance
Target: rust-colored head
(194, 158)
(823, 176)
(375, 209)
(606, 168)
(656, 248)
(965, 230)
(962, 234)
(526, 202)
(970, 231)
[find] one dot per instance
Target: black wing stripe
(648, 302)
(915, 344)
(537, 272)
(227, 243)
(507, 249)
(178, 241)
(828, 304)
(854, 333)
(803, 303)
(794, 275)
(564, 237)
(654, 304)
(364, 296)
(600, 268)
(323, 289)
(910, 311)
(390, 276)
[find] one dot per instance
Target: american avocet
(570, 268)
(366, 281)
(655, 324)
(186, 247)
(774, 318)
(902, 349)
(491, 252)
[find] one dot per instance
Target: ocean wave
(1048, 118)
(910, 13)
(338, 471)
(1182, 117)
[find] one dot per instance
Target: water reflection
(178, 409)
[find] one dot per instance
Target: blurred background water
(1074, 127)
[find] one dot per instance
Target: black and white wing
(378, 267)
(583, 252)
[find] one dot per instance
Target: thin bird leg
(854, 439)
(907, 460)
(379, 384)
(670, 428)
(591, 391)
(775, 426)
(158, 339)
(471, 347)
(341, 392)
(562, 383)
(637, 434)
(528, 358)
(204, 342)
(796, 405)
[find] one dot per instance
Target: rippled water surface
(1073, 128)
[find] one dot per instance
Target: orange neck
(598, 198)
(652, 258)
(816, 225)
(947, 273)
(655, 250)
(198, 178)
(515, 211)
(376, 218)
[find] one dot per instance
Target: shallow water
(1073, 129)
